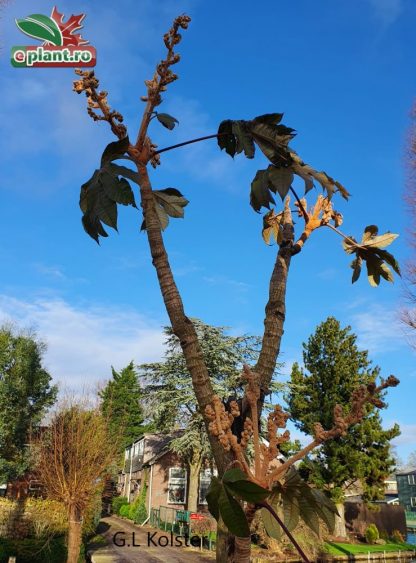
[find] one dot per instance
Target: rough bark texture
(74, 534)
(276, 308)
(182, 326)
(193, 491)
(242, 549)
(184, 330)
(340, 530)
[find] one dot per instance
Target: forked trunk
(74, 534)
(185, 331)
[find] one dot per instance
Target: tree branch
(186, 143)
(181, 324)
(275, 309)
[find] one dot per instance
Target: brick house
(150, 459)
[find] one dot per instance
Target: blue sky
(342, 72)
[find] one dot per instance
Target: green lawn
(335, 548)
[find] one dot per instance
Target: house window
(138, 448)
(177, 485)
(204, 481)
(411, 479)
(413, 502)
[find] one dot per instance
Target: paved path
(123, 547)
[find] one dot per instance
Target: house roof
(155, 446)
(407, 472)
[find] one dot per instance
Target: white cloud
(84, 342)
(50, 271)
(407, 436)
(386, 11)
(378, 329)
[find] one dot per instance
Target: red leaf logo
(68, 28)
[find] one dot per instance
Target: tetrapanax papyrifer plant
(245, 489)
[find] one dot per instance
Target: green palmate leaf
(373, 269)
(212, 497)
(260, 195)
(172, 201)
(41, 27)
(272, 527)
(244, 140)
(118, 190)
(162, 216)
(325, 509)
(302, 171)
(247, 490)
(269, 118)
(356, 266)
(390, 259)
(291, 511)
(385, 272)
(271, 143)
(106, 210)
(280, 179)
(93, 227)
(233, 475)
(293, 480)
(226, 139)
(307, 511)
(85, 195)
(115, 150)
(233, 515)
(167, 120)
(117, 170)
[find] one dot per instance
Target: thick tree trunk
(340, 530)
(74, 534)
(181, 324)
(276, 306)
(185, 331)
(193, 492)
(225, 545)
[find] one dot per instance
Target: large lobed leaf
(272, 138)
(169, 203)
(294, 499)
(224, 499)
(371, 250)
(108, 187)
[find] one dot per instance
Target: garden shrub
(139, 511)
(34, 550)
(125, 511)
(371, 533)
(92, 515)
(117, 503)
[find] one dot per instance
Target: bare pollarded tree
(242, 492)
(72, 457)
